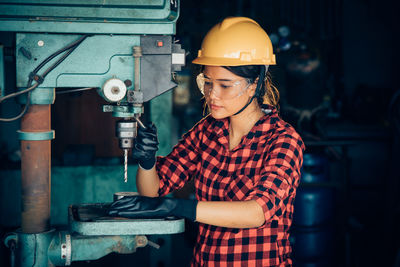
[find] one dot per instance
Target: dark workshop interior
(336, 75)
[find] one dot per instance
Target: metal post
(2, 83)
(35, 171)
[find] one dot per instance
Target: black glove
(158, 207)
(146, 146)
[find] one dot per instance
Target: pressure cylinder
(312, 231)
(313, 205)
(312, 244)
(314, 169)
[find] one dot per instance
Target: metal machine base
(91, 236)
(87, 219)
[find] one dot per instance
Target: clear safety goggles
(222, 89)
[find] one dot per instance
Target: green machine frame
(128, 47)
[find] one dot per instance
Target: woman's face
(225, 92)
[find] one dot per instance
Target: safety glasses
(222, 89)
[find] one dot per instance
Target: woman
(245, 160)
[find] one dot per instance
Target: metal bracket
(2, 82)
(66, 250)
(135, 97)
(39, 96)
(36, 136)
(9, 238)
(123, 111)
(178, 57)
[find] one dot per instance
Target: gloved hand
(146, 146)
(149, 207)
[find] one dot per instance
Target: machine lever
(140, 122)
(152, 244)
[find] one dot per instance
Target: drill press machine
(126, 49)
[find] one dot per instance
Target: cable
(40, 78)
(44, 62)
(60, 60)
(49, 58)
(28, 99)
(70, 48)
(19, 93)
(74, 90)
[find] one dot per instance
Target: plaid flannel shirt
(264, 167)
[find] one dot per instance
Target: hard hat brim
(209, 61)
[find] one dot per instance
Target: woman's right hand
(146, 146)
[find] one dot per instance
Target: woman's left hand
(158, 207)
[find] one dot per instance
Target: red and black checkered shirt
(264, 167)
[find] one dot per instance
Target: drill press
(126, 49)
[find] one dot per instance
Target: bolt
(128, 83)
(64, 246)
(25, 52)
(40, 43)
(141, 241)
(115, 90)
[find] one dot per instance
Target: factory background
(337, 75)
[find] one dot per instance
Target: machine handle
(140, 122)
(152, 244)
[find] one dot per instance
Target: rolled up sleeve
(280, 176)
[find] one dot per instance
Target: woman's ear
(252, 88)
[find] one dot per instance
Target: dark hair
(268, 93)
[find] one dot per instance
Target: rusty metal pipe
(35, 171)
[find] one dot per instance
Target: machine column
(35, 169)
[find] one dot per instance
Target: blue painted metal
(87, 28)
(110, 226)
(10, 237)
(95, 247)
(109, 17)
(97, 59)
(66, 247)
(36, 136)
(2, 83)
(161, 116)
(93, 62)
(39, 96)
(123, 111)
(129, 227)
(32, 249)
(61, 248)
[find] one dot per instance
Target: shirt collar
(260, 128)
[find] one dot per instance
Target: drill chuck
(126, 132)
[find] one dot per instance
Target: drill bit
(125, 165)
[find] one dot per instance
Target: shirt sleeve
(280, 176)
(175, 169)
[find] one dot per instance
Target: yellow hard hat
(236, 41)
